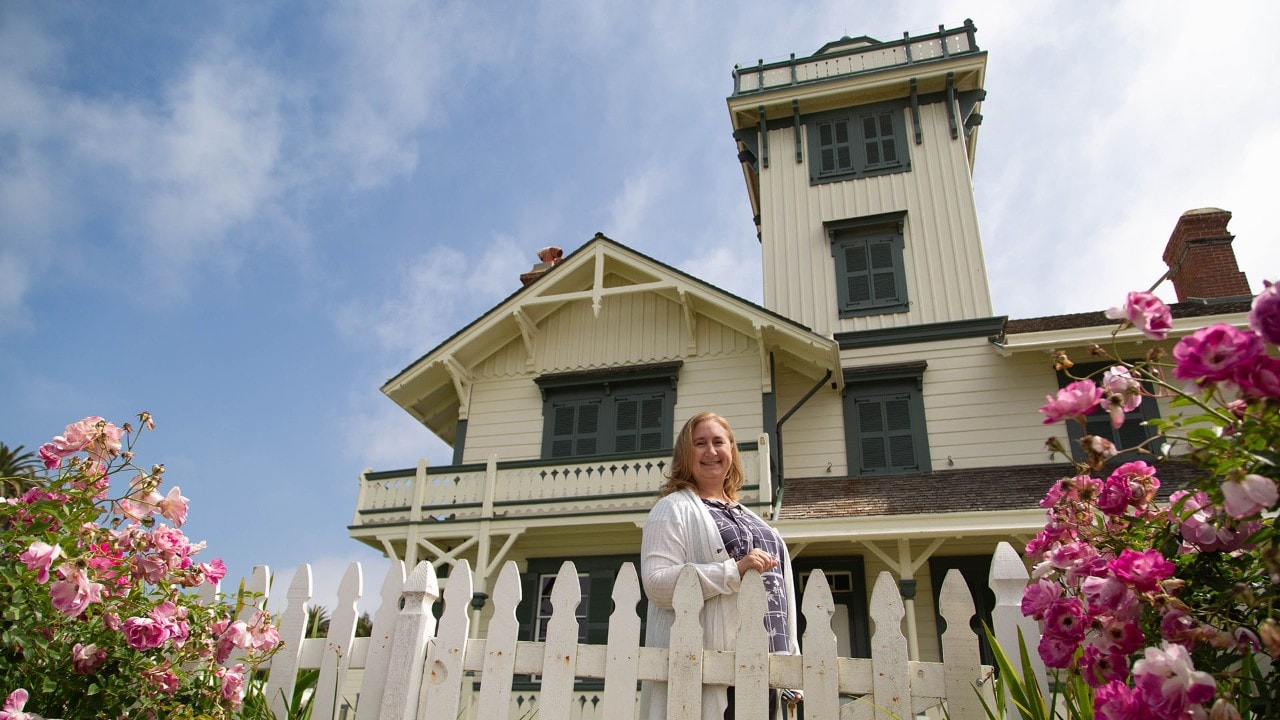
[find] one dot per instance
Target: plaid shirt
(741, 532)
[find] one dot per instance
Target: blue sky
(245, 216)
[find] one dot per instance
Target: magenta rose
(1145, 312)
(1117, 701)
(1264, 318)
(1101, 667)
(1215, 353)
(1056, 651)
(1261, 379)
(1141, 570)
(1066, 618)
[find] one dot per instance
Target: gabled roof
(433, 388)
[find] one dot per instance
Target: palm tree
(17, 470)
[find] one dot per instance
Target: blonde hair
(681, 476)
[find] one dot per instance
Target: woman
(697, 521)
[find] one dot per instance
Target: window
(596, 576)
(884, 420)
(854, 143)
(626, 411)
(1131, 433)
(869, 270)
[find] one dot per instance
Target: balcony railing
(527, 488)
(907, 51)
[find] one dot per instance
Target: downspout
(777, 431)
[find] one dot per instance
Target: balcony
(855, 60)
(524, 489)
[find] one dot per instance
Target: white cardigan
(680, 531)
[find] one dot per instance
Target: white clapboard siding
(413, 672)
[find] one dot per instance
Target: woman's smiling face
(712, 456)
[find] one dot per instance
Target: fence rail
(413, 669)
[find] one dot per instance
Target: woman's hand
(758, 560)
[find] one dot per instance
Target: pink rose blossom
(1117, 701)
(48, 452)
(1168, 682)
(86, 658)
(1178, 627)
(13, 706)
(95, 436)
(1120, 636)
(1107, 594)
(74, 592)
(174, 620)
(1249, 495)
(1122, 393)
(1056, 651)
(233, 687)
(174, 507)
(1101, 667)
(1066, 618)
(1146, 312)
(1077, 399)
(214, 571)
(1202, 529)
(1261, 380)
(1213, 354)
(1141, 570)
(162, 678)
(40, 556)
(1038, 596)
(144, 633)
(1264, 318)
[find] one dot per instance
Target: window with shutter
(870, 276)
(1132, 433)
(625, 412)
(857, 142)
(884, 420)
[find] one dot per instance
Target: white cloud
(433, 293)
(393, 59)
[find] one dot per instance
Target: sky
(244, 217)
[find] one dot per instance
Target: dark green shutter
(884, 283)
(835, 151)
(886, 435)
(575, 428)
(878, 143)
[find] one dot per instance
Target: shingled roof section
(1099, 319)
(1018, 487)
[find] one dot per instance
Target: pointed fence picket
(411, 671)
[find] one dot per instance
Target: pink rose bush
(1167, 604)
(102, 617)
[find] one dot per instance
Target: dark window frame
(1099, 421)
(902, 385)
(630, 411)
(875, 239)
(823, 136)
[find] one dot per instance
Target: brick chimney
(1201, 262)
(550, 257)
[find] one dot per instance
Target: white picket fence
(413, 670)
